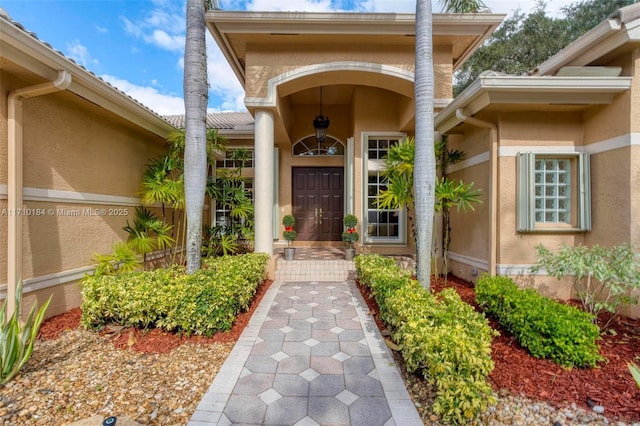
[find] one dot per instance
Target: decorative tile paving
(269, 396)
(311, 342)
(341, 356)
(312, 363)
(309, 374)
(346, 397)
(279, 356)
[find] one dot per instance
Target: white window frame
(378, 165)
(579, 197)
(227, 164)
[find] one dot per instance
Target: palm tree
(425, 162)
(195, 152)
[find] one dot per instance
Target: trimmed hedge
(440, 336)
(548, 329)
(202, 303)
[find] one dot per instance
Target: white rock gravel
(81, 374)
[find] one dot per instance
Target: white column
(349, 177)
(263, 181)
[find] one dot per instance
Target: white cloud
(79, 53)
(223, 83)
(159, 28)
(162, 104)
(166, 41)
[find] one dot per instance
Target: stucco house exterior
(555, 152)
(70, 142)
(357, 70)
(72, 153)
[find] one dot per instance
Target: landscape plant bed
(518, 373)
(152, 340)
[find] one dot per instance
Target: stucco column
(263, 181)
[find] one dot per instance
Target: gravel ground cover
(159, 378)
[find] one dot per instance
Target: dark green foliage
(289, 234)
(440, 336)
(546, 328)
(524, 41)
(350, 235)
(202, 303)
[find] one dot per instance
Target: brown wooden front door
(318, 202)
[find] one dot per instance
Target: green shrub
(548, 329)
(17, 338)
(603, 278)
(203, 303)
(441, 337)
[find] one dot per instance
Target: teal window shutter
(584, 192)
(525, 183)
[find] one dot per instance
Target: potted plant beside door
(289, 234)
(350, 235)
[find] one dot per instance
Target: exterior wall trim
(519, 269)
(469, 162)
(71, 197)
(270, 101)
(618, 142)
(467, 260)
(51, 280)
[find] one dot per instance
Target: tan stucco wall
(264, 63)
(72, 145)
(270, 62)
(470, 230)
(612, 198)
(615, 180)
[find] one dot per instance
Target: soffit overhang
(24, 54)
(612, 37)
(234, 32)
(530, 92)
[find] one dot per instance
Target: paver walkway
(310, 356)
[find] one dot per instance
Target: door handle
(320, 216)
(316, 216)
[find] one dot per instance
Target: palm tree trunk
(424, 171)
(195, 153)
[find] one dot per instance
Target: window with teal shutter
(553, 192)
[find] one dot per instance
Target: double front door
(318, 202)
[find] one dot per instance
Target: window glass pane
(382, 223)
(309, 147)
(552, 190)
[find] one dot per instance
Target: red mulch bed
(154, 340)
(610, 384)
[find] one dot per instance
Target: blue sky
(138, 45)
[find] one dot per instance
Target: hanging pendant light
(320, 124)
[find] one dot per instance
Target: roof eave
(26, 50)
(221, 23)
(495, 90)
(620, 28)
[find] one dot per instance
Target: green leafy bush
(441, 337)
(603, 278)
(16, 338)
(202, 303)
(548, 329)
